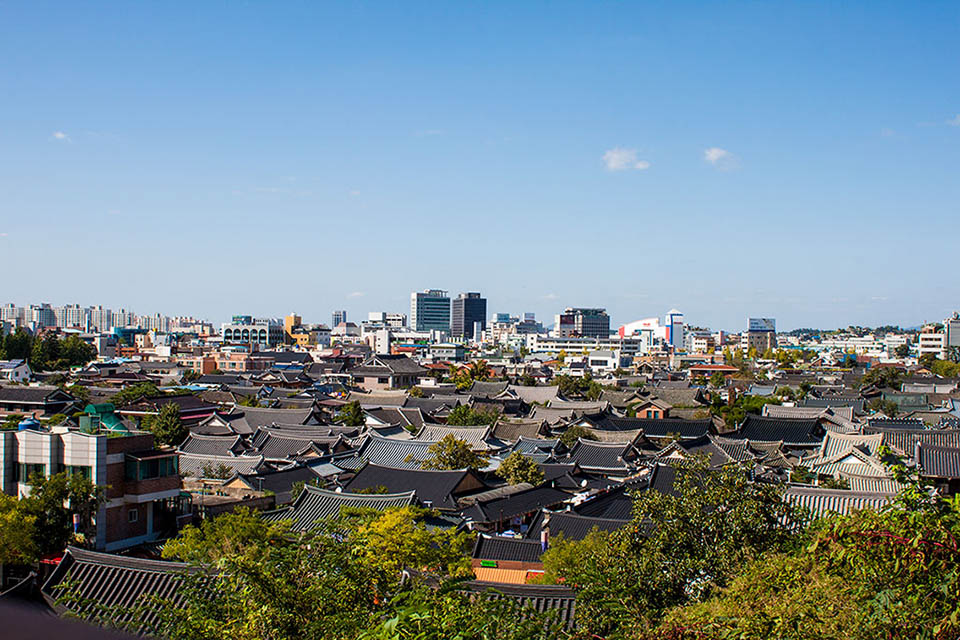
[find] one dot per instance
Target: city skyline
(810, 151)
(360, 315)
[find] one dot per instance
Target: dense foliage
(342, 580)
(351, 415)
(166, 427)
(452, 453)
(678, 548)
(47, 352)
(518, 468)
(467, 416)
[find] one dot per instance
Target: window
(383, 380)
(85, 471)
(27, 469)
(153, 468)
(133, 515)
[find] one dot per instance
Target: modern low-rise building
(141, 483)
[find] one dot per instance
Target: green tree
(249, 401)
(479, 370)
(415, 392)
(902, 351)
(351, 415)
(18, 536)
(518, 468)
(888, 377)
(888, 408)
(53, 502)
(135, 393)
(718, 380)
(452, 453)
(677, 548)
(167, 428)
(467, 416)
(888, 573)
(574, 433)
(80, 392)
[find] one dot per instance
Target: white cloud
(355, 193)
(4, 235)
(551, 296)
(954, 121)
(61, 136)
(720, 158)
(620, 159)
(886, 132)
(356, 294)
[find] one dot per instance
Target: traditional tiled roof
(276, 446)
(834, 402)
(438, 488)
(938, 462)
(511, 430)
(378, 399)
(403, 416)
(315, 504)
(33, 395)
(571, 526)
(279, 482)
(516, 504)
(616, 504)
(505, 548)
(822, 502)
(487, 389)
(602, 457)
(528, 446)
(228, 445)
(541, 395)
(400, 454)
(476, 437)
(904, 441)
(193, 464)
(115, 584)
(780, 411)
(557, 599)
(872, 485)
(246, 420)
(794, 431)
(586, 406)
(654, 427)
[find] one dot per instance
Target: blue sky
(794, 160)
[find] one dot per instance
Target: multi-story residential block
(932, 341)
(430, 310)
(337, 317)
(761, 335)
(141, 483)
(101, 319)
(469, 310)
(391, 320)
(583, 323)
(259, 331)
(951, 329)
(71, 316)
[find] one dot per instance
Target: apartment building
(430, 310)
(141, 482)
(932, 341)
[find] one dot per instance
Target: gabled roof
(114, 584)
(279, 482)
(194, 464)
(316, 504)
(834, 402)
(822, 502)
(939, 462)
(516, 504)
(510, 430)
(282, 446)
(794, 431)
(439, 488)
(541, 395)
(388, 452)
(602, 456)
(247, 419)
(506, 548)
(487, 389)
(558, 599)
(476, 437)
(654, 427)
(33, 395)
(228, 445)
(904, 441)
(572, 526)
